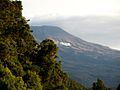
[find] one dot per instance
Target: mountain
(25, 64)
(83, 61)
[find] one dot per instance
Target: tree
(10, 82)
(25, 64)
(33, 80)
(99, 85)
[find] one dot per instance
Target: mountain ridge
(84, 61)
(76, 42)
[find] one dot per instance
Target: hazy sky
(71, 7)
(93, 20)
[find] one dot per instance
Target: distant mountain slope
(84, 61)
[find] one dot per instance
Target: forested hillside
(25, 64)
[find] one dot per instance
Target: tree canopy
(25, 64)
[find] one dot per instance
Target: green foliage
(3, 49)
(10, 13)
(33, 81)
(10, 82)
(73, 85)
(99, 85)
(52, 76)
(48, 48)
(24, 64)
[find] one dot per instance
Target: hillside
(25, 64)
(84, 61)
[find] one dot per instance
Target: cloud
(102, 30)
(71, 7)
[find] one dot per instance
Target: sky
(92, 20)
(71, 7)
